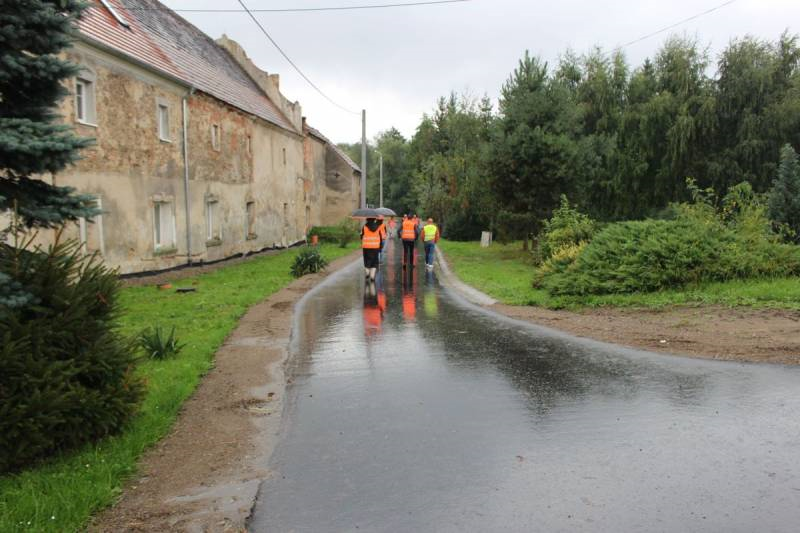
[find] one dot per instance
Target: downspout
(185, 113)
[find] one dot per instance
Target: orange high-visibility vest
(409, 230)
(382, 231)
(371, 240)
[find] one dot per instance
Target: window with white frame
(85, 108)
(212, 219)
(163, 121)
(215, 132)
(91, 231)
(163, 225)
(250, 220)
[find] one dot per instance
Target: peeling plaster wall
(314, 160)
(130, 169)
(128, 166)
(342, 188)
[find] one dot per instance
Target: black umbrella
(385, 211)
(366, 212)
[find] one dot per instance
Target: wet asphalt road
(411, 410)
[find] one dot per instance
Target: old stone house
(198, 155)
(335, 175)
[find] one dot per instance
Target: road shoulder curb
(450, 280)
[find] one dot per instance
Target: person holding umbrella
(382, 231)
(372, 236)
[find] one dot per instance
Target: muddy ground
(713, 332)
(205, 474)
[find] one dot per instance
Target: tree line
(620, 142)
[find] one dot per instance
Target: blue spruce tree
(784, 198)
(65, 372)
(32, 34)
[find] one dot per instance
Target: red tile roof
(162, 40)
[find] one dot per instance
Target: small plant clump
(156, 345)
(308, 261)
(568, 227)
(348, 231)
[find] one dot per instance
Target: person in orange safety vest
(409, 232)
(371, 243)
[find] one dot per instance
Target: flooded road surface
(411, 410)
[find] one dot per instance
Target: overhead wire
(297, 9)
(671, 26)
(292, 63)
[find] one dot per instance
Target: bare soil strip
(205, 474)
(711, 332)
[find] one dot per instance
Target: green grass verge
(62, 494)
(505, 272)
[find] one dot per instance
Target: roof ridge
(262, 91)
(168, 43)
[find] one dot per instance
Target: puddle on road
(409, 411)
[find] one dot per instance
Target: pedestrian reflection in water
(430, 303)
(409, 294)
(374, 308)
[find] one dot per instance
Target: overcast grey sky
(396, 62)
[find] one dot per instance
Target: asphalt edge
(450, 280)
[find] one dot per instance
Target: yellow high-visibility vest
(429, 232)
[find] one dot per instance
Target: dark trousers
(408, 252)
(429, 248)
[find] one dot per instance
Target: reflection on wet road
(411, 410)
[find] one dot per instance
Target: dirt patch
(205, 474)
(713, 332)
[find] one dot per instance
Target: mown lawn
(505, 272)
(63, 493)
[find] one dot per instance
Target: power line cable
(294, 9)
(292, 63)
(671, 26)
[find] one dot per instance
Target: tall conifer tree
(32, 74)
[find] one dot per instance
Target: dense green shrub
(560, 260)
(651, 255)
(308, 261)
(707, 239)
(326, 234)
(342, 234)
(567, 227)
(65, 372)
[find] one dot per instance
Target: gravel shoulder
(204, 476)
(711, 332)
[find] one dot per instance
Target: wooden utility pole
(363, 158)
(380, 182)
